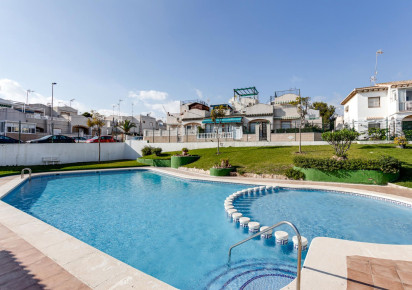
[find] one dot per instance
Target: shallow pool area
(177, 230)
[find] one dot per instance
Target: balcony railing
(222, 135)
(405, 106)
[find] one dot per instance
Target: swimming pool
(177, 231)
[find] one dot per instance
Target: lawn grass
(11, 170)
(275, 160)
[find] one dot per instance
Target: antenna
(374, 78)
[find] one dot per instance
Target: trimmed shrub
(386, 164)
(147, 150)
(294, 174)
(157, 151)
(340, 140)
(185, 151)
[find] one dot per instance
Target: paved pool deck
(325, 267)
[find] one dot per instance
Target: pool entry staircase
(249, 273)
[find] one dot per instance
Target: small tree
(216, 115)
(302, 104)
(96, 121)
(126, 126)
(326, 112)
(340, 141)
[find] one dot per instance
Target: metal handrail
(269, 229)
(22, 172)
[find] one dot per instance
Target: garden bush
(147, 150)
(386, 164)
(377, 134)
(408, 134)
(157, 151)
(340, 140)
(294, 174)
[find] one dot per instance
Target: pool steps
(281, 237)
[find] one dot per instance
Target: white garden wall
(32, 154)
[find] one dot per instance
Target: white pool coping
(102, 271)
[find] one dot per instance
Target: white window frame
(374, 98)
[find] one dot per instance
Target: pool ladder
(22, 173)
(269, 229)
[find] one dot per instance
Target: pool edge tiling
(101, 271)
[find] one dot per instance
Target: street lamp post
(51, 110)
(27, 98)
(71, 102)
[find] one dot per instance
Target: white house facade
(384, 106)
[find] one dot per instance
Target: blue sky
(155, 53)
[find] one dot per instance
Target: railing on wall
(405, 106)
(223, 135)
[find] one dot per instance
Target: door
(237, 133)
(263, 133)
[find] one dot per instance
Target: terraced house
(246, 119)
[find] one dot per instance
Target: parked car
(103, 139)
(53, 139)
(7, 140)
(80, 139)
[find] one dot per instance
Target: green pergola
(246, 92)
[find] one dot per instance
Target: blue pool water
(177, 231)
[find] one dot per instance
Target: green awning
(224, 120)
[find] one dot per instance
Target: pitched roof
(377, 87)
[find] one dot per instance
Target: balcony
(405, 106)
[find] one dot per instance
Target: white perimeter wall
(32, 154)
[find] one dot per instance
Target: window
(252, 128)
(374, 102)
(374, 125)
(408, 96)
(286, 124)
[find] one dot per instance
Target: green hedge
(178, 161)
(349, 176)
(221, 171)
(386, 164)
(155, 162)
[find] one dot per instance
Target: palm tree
(126, 126)
(216, 115)
(96, 121)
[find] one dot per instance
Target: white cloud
(199, 94)
(155, 103)
(12, 90)
(151, 95)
